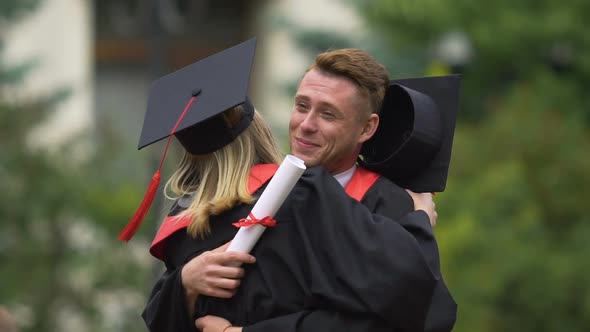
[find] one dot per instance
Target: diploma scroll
(269, 202)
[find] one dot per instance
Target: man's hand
(424, 201)
(215, 273)
(215, 324)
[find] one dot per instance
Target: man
(322, 231)
(335, 112)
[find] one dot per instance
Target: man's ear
(369, 128)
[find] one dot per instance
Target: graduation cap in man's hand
(412, 145)
(189, 104)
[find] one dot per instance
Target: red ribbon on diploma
(245, 222)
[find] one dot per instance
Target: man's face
(330, 121)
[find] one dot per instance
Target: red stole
(356, 188)
(359, 184)
(259, 175)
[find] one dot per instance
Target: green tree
(513, 229)
(62, 268)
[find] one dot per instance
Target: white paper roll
(269, 202)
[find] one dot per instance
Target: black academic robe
(387, 199)
(328, 253)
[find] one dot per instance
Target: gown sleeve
(442, 313)
(321, 320)
(166, 307)
(354, 261)
(385, 199)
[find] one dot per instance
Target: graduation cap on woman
(412, 145)
(188, 104)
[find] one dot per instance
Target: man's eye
(301, 106)
(328, 115)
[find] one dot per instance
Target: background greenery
(513, 226)
(61, 266)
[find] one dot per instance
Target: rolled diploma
(269, 202)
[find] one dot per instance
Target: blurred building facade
(107, 52)
(57, 37)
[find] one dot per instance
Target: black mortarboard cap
(189, 103)
(412, 145)
(219, 82)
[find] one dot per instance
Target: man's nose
(309, 122)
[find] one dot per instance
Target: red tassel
(129, 230)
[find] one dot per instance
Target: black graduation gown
(387, 199)
(327, 253)
(381, 199)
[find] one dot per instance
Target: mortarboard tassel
(133, 225)
(129, 230)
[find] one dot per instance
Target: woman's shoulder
(181, 203)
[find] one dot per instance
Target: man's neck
(344, 177)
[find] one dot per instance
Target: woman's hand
(424, 201)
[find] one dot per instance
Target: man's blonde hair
(219, 180)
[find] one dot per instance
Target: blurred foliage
(11, 11)
(62, 267)
(513, 229)
(510, 41)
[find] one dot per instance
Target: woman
(306, 262)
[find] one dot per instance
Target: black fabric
(218, 82)
(387, 199)
(166, 309)
(214, 133)
(384, 198)
(408, 137)
(328, 253)
(412, 145)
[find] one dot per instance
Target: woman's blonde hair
(219, 180)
